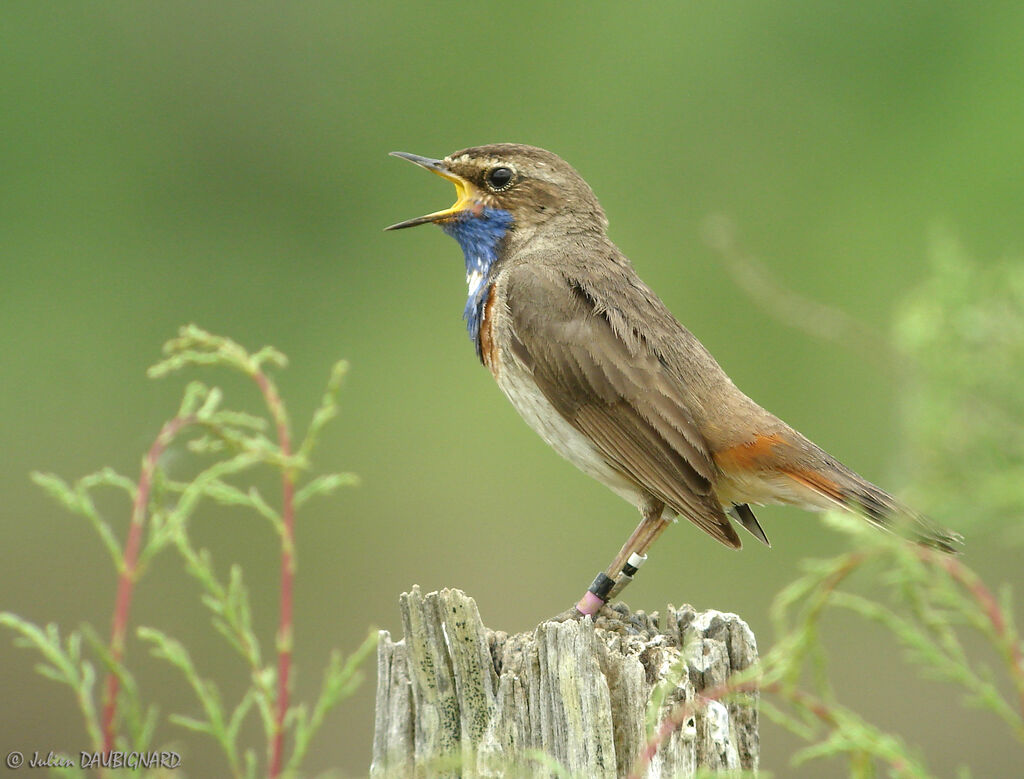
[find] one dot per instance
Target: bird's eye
(499, 178)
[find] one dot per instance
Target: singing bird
(604, 373)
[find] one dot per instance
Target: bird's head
(507, 187)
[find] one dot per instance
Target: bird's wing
(622, 399)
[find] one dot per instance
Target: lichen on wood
(455, 698)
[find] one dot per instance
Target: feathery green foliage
(228, 444)
(960, 346)
(960, 341)
(963, 390)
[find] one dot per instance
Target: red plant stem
(679, 715)
(971, 582)
(963, 575)
(284, 632)
(129, 568)
(684, 711)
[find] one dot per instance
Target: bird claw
(571, 613)
(604, 614)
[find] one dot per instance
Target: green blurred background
(226, 164)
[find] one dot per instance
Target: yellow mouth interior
(466, 197)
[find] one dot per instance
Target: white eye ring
(500, 178)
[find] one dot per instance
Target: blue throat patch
(479, 237)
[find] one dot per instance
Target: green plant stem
(680, 714)
(848, 564)
(129, 568)
(284, 633)
(683, 711)
(973, 584)
(844, 567)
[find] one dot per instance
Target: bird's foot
(569, 614)
(614, 617)
(617, 618)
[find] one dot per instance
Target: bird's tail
(848, 490)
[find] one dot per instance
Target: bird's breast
(520, 387)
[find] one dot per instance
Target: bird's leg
(638, 556)
(626, 563)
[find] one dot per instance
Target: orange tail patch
(818, 483)
(751, 456)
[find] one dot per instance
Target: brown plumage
(597, 364)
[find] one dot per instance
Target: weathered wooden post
(457, 699)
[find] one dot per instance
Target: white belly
(518, 385)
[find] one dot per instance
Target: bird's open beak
(468, 195)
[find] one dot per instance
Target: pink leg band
(589, 604)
